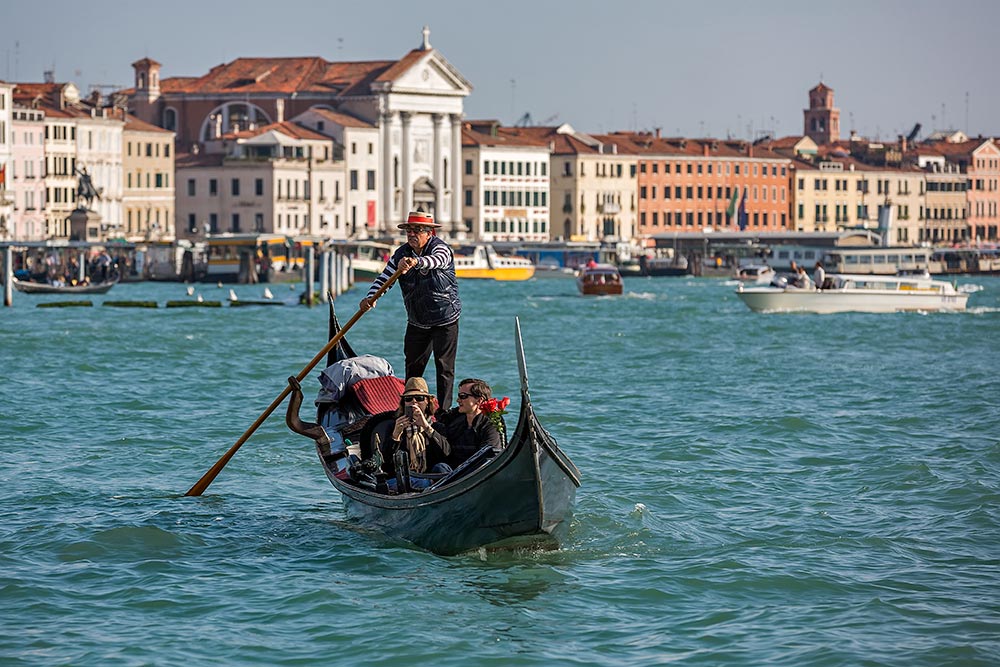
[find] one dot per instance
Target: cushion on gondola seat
(379, 394)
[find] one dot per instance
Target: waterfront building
(505, 183)
(416, 103)
(281, 178)
(687, 185)
(6, 150)
(834, 191)
(26, 175)
(944, 214)
(356, 142)
(58, 101)
(979, 160)
(149, 191)
(99, 151)
(592, 185)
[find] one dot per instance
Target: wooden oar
(209, 476)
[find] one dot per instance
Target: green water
(757, 489)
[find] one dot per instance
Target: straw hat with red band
(417, 218)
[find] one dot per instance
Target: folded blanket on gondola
(337, 378)
(379, 394)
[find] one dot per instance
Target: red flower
(495, 409)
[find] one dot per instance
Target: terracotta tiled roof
(279, 75)
(341, 118)
(133, 124)
(480, 133)
(287, 128)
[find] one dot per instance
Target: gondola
(521, 496)
(29, 287)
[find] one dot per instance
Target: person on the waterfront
(465, 427)
(430, 294)
(819, 275)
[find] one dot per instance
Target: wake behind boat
(522, 495)
(29, 287)
(857, 293)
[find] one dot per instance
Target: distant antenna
(967, 112)
(513, 89)
(49, 76)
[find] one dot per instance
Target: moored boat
(676, 265)
(29, 287)
(857, 293)
(482, 261)
(522, 495)
(754, 274)
(599, 280)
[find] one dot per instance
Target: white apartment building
(358, 143)
(505, 184)
(99, 150)
(281, 178)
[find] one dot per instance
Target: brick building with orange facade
(687, 185)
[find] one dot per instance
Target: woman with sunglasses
(430, 294)
(409, 429)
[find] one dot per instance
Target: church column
(457, 226)
(405, 152)
(388, 171)
(438, 168)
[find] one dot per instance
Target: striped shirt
(439, 258)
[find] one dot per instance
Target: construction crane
(527, 121)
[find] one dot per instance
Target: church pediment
(431, 74)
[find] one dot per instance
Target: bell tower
(147, 88)
(822, 120)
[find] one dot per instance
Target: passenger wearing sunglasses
(466, 429)
(430, 294)
(409, 429)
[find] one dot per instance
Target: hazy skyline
(692, 69)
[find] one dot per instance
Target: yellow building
(148, 192)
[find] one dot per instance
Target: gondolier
(430, 294)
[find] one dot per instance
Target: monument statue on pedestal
(85, 190)
(84, 223)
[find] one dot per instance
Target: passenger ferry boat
(877, 260)
(251, 258)
(482, 261)
(599, 280)
(857, 293)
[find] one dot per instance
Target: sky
(709, 68)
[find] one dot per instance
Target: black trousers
(443, 341)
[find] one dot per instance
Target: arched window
(232, 117)
(170, 119)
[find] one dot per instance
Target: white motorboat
(857, 293)
(755, 274)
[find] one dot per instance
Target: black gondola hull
(523, 496)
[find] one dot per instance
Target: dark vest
(430, 296)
